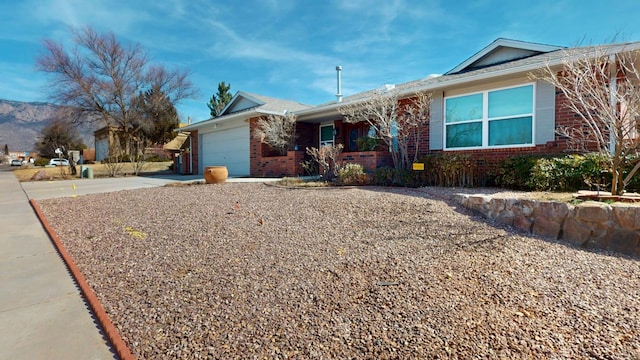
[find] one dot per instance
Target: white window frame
(485, 120)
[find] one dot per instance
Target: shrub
(384, 176)
(449, 170)
(593, 170)
(351, 174)
(564, 173)
(310, 167)
(515, 172)
(41, 161)
(326, 157)
(558, 174)
(157, 158)
(367, 143)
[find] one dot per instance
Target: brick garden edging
(107, 326)
(590, 224)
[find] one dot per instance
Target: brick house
(488, 106)
(228, 139)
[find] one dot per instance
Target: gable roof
(519, 66)
(244, 105)
(502, 50)
(243, 101)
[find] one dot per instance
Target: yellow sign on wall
(418, 166)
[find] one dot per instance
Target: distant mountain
(21, 123)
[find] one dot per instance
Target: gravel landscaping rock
(255, 271)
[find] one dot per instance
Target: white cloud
(21, 82)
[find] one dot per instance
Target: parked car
(59, 162)
(16, 162)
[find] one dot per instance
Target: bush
(351, 174)
(384, 176)
(393, 177)
(367, 143)
(515, 172)
(157, 158)
(449, 170)
(41, 161)
(565, 173)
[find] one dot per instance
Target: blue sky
(289, 49)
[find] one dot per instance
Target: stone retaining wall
(590, 224)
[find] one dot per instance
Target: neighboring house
(28, 156)
(227, 139)
(103, 139)
(488, 106)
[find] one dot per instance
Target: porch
(359, 147)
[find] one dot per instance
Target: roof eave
(218, 120)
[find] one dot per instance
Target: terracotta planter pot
(215, 174)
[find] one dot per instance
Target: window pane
(510, 131)
(508, 102)
(464, 108)
(464, 135)
(326, 133)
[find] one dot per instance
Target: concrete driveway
(64, 188)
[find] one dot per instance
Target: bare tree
(397, 122)
(327, 159)
(603, 89)
(58, 133)
(102, 77)
(277, 131)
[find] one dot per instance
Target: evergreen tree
(219, 100)
(6, 149)
(157, 117)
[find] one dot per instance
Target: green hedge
(562, 173)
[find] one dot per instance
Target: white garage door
(228, 147)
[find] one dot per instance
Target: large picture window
(497, 118)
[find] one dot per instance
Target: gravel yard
(256, 271)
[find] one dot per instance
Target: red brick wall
(263, 164)
(194, 151)
(278, 166)
(370, 160)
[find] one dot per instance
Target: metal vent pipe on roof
(339, 72)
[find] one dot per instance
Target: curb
(107, 326)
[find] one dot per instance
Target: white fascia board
(233, 99)
(220, 120)
(269, 112)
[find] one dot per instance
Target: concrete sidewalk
(42, 313)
